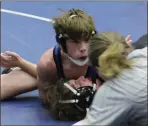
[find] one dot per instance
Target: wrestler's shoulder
(46, 60)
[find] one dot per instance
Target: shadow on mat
(22, 98)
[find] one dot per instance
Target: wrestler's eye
(74, 41)
(79, 41)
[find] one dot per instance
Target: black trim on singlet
(58, 61)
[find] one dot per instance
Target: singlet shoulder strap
(58, 61)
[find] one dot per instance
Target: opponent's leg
(16, 82)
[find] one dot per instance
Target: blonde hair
(75, 23)
(108, 51)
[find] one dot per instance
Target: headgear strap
(65, 35)
(72, 16)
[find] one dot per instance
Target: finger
(128, 38)
(5, 65)
(2, 59)
(82, 78)
(5, 57)
(98, 84)
(82, 83)
(13, 54)
(3, 54)
(88, 80)
(78, 81)
(72, 83)
(87, 84)
(2, 64)
(129, 42)
(77, 86)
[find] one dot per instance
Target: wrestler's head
(108, 53)
(71, 103)
(73, 30)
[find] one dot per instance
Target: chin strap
(78, 62)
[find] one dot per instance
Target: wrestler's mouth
(83, 58)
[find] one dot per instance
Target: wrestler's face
(78, 50)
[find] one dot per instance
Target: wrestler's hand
(128, 40)
(10, 60)
(73, 83)
(80, 82)
(98, 84)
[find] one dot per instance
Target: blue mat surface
(30, 38)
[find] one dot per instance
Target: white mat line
(27, 15)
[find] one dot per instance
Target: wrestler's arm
(12, 60)
(28, 67)
(20, 80)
